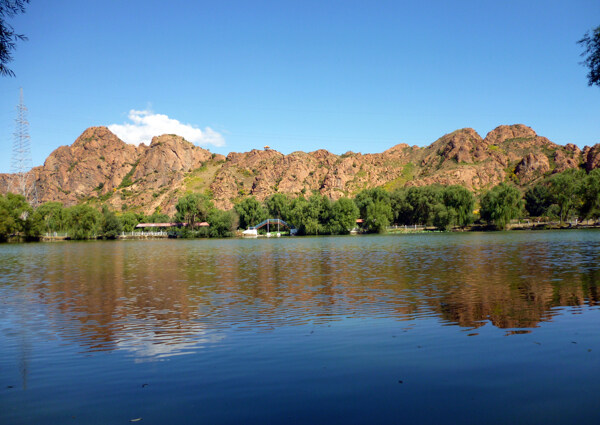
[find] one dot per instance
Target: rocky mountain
(100, 168)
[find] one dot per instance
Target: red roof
(141, 225)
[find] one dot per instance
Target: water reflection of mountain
(109, 295)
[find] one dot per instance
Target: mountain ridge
(100, 168)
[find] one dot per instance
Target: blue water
(435, 328)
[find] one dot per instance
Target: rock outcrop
(509, 132)
(95, 163)
(100, 168)
(592, 157)
(532, 166)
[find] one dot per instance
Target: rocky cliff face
(100, 168)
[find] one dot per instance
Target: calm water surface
(440, 328)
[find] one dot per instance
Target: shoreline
(391, 231)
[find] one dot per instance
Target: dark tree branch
(8, 38)
(591, 53)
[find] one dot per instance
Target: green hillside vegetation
(573, 194)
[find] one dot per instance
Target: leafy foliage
(129, 220)
(126, 182)
(193, 208)
(591, 53)
(564, 195)
(565, 189)
(50, 217)
(250, 212)
(443, 207)
(460, 203)
(538, 200)
(222, 223)
(423, 203)
(157, 217)
(8, 38)
(15, 216)
(84, 222)
(344, 213)
(590, 191)
(278, 206)
(111, 226)
(501, 204)
(375, 208)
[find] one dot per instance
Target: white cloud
(146, 124)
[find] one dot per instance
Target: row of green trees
(439, 206)
(317, 215)
(17, 217)
(563, 196)
(570, 194)
(196, 208)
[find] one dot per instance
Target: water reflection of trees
(101, 294)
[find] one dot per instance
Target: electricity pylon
(22, 181)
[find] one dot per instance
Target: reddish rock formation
(100, 168)
(592, 157)
(509, 132)
(95, 163)
(569, 157)
(532, 167)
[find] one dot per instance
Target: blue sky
(300, 75)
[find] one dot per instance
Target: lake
(499, 327)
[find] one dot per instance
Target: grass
(199, 180)
(126, 182)
(517, 140)
(105, 197)
(407, 174)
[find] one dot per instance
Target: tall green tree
(222, 223)
(460, 202)
(278, 206)
(375, 209)
(591, 54)
(538, 200)
(590, 206)
(444, 207)
(193, 208)
(84, 222)
(369, 196)
(424, 201)
(157, 217)
(319, 208)
(501, 204)
(111, 226)
(304, 215)
(378, 217)
(344, 213)
(250, 212)
(128, 221)
(444, 218)
(299, 213)
(15, 216)
(565, 189)
(50, 217)
(402, 210)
